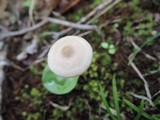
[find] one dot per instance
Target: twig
(15, 66)
(89, 108)
(131, 58)
(144, 80)
(100, 27)
(152, 39)
(95, 11)
(138, 49)
(143, 98)
(38, 61)
(149, 56)
(152, 72)
(53, 20)
(31, 8)
(72, 25)
(23, 31)
(3, 28)
(64, 108)
(85, 33)
(3, 62)
(84, 19)
(156, 94)
(104, 11)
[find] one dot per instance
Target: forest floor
(126, 44)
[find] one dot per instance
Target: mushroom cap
(70, 56)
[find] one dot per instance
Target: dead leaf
(29, 49)
(66, 5)
(157, 54)
(157, 17)
(117, 36)
(32, 48)
(64, 108)
(45, 7)
(3, 6)
(21, 56)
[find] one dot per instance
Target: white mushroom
(70, 56)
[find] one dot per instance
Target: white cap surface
(70, 56)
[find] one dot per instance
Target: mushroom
(70, 56)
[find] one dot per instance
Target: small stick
(84, 33)
(149, 56)
(138, 71)
(144, 80)
(96, 10)
(31, 9)
(10, 63)
(63, 108)
(152, 72)
(143, 98)
(84, 19)
(72, 25)
(23, 31)
(157, 93)
(53, 20)
(104, 11)
(3, 52)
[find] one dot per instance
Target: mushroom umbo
(70, 56)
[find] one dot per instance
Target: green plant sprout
(57, 84)
(109, 46)
(138, 110)
(27, 3)
(68, 58)
(116, 116)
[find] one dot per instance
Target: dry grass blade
(63, 108)
(103, 11)
(31, 9)
(145, 82)
(3, 52)
(95, 11)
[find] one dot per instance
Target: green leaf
(35, 92)
(105, 102)
(116, 98)
(148, 42)
(112, 51)
(144, 114)
(104, 45)
(156, 116)
(139, 114)
(151, 40)
(27, 3)
(157, 101)
(56, 84)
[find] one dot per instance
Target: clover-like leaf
(56, 84)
